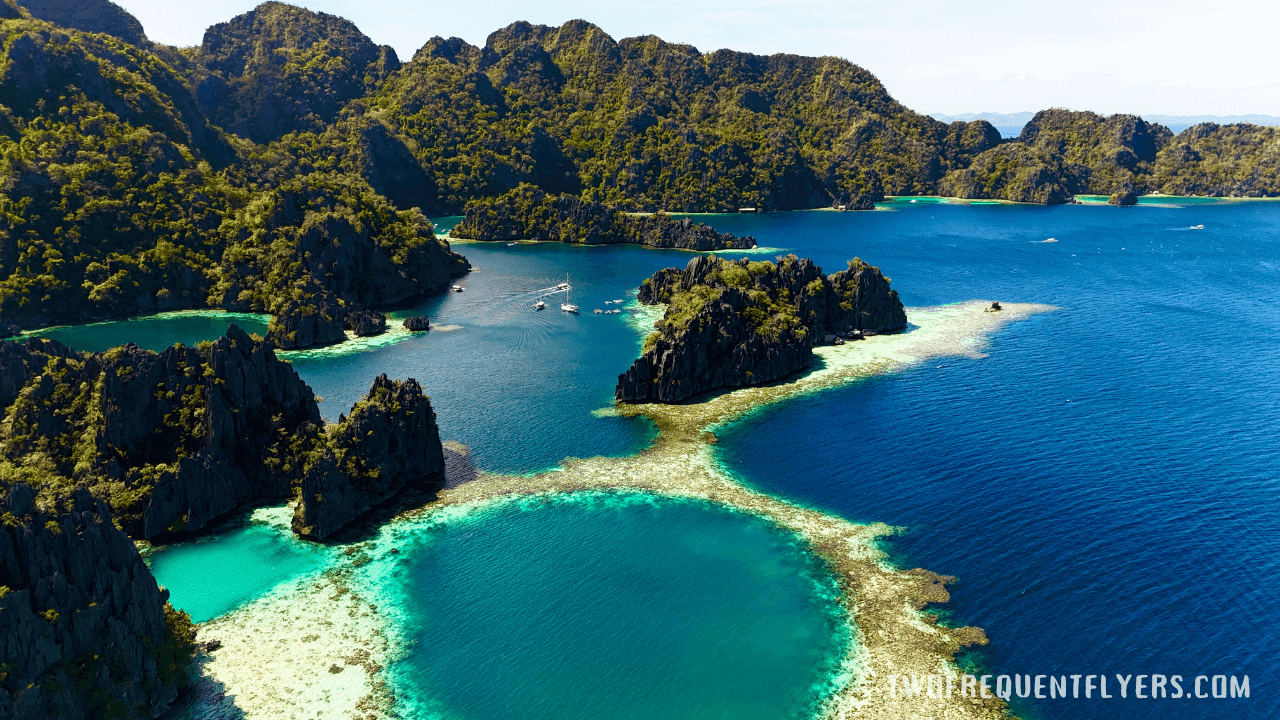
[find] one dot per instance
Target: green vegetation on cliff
(279, 69)
(135, 177)
(739, 323)
(528, 213)
(119, 197)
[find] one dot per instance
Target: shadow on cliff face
(206, 698)
(458, 470)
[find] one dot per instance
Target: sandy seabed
(318, 646)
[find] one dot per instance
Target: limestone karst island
(582, 376)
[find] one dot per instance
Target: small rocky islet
(742, 323)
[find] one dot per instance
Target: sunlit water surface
(1104, 483)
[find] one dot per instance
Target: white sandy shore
(316, 647)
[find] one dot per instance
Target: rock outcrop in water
(389, 440)
(1123, 197)
(85, 633)
(366, 322)
(528, 213)
(302, 325)
(735, 324)
(417, 323)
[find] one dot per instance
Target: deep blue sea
(1104, 484)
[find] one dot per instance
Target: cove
(613, 605)
(154, 332)
(235, 564)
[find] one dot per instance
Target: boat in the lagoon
(598, 311)
(567, 306)
(456, 288)
(540, 305)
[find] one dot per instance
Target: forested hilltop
(288, 164)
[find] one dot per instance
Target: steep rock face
(392, 170)
(1014, 172)
(528, 213)
(345, 248)
(366, 322)
(856, 201)
(98, 16)
(735, 324)
(1220, 161)
(278, 69)
(717, 350)
(389, 440)
(644, 124)
(171, 440)
(303, 325)
(1123, 197)
(85, 633)
(1101, 154)
(417, 323)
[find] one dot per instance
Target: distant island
(1011, 124)
(528, 213)
(288, 164)
(740, 323)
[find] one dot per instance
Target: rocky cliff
(279, 68)
(171, 440)
(85, 633)
(174, 440)
(345, 254)
(528, 213)
(99, 16)
(389, 440)
(734, 324)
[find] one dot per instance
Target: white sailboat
(567, 306)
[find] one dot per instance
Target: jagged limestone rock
(389, 440)
(735, 324)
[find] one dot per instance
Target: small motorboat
(512, 244)
(569, 308)
(1197, 227)
(540, 305)
(598, 311)
(456, 288)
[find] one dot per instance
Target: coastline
(288, 634)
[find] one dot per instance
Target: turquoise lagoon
(155, 332)
(612, 605)
(235, 563)
(1104, 483)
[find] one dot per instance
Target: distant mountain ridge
(1177, 123)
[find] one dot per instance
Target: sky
(1177, 57)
